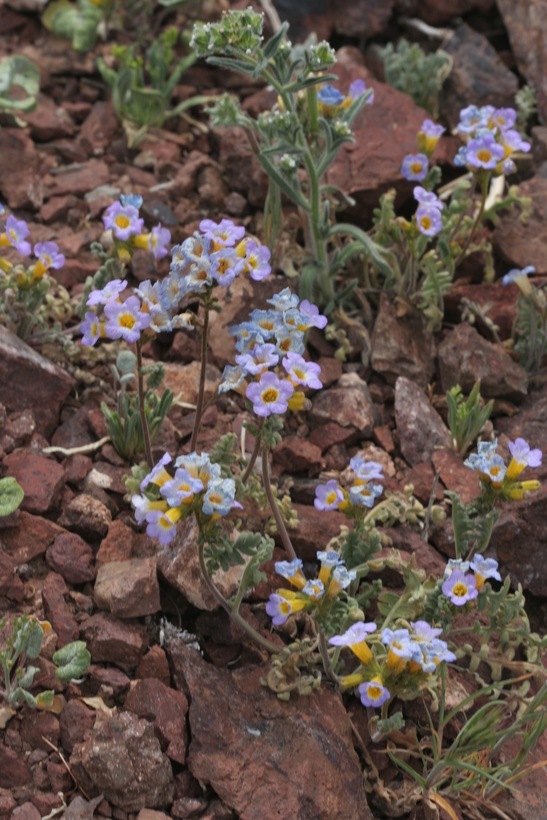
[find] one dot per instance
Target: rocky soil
(172, 719)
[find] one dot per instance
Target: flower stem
(254, 454)
(239, 620)
(327, 665)
(471, 234)
(281, 528)
(202, 375)
(142, 410)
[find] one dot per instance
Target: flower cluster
(362, 493)
(416, 166)
(47, 255)
(460, 586)
(314, 595)
(194, 485)
(122, 218)
(491, 139)
(271, 339)
(502, 479)
(414, 653)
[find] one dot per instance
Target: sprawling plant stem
(202, 376)
(281, 528)
(142, 409)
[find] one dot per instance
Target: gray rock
(421, 430)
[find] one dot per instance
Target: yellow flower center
(416, 167)
(270, 395)
(127, 320)
(425, 222)
(122, 221)
(459, 590)
(484, 155)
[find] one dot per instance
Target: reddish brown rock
(525, 243)
(57, 611)
(49, 121)
(122, 542)
(11, 585)
(128, 589)
(361, 18)
(39, 727)
(520, 540)
(257, 751)
(183, 380)
(421, 430)
(30, 537)
(112, 641)
(79, 178)
(75, 723)
(499, 303)
(41, 478)
(20, 170)
(99, 129)
(478, 74)
(465, 357)
(25, 374)
(154, 665)
(315, 529)
(13, 771)
(296, 455)
(71, 557)
(347, 406)
(166, 708)
(87, 516)
(455, 476)
(402, 346)
(123, 761)
(526, 25)
(330, 434)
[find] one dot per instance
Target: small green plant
(408, 68)
(11, 495)
(19, 84)
(79, 22)
(22, 642)
(529, 331)
(466, 417)
(124, 425)
(296, 142)
(143, 83)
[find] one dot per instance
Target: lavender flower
(125, 319)
(123, 221)
(17, 231)
(48, 254)
(223, 234)
(516, 273)
(415, 167)
(428, 219)
(302, 372)
(270, 395)
(484, 152)
(373, 693)
(110, 292)
(328, 496)
(460, 588)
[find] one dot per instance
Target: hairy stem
(201, 388)
(281, 528)
(142, 411)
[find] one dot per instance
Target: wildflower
(123, 221)
(92, 329)
(220, 497)
(401, 648)
(135, 200)
(456, 563)
(328, 559)
(471, 118)
(460, 588)
(428, 219)
(289, 341)
(503, 118)
(125, 319)
(311, 315)
(163, 525)
(365, 471)
(428, 136)
(341, 579)
(424, 632)
(427, 197)
(355, 639)
(292, 571)
(256, 261)
(48, 255)
(225, 266)
(199, 466)
(270, 395)
(223, 234)
(373, 693)
(314, 589)
(259, 359)
(329, 99)
(156, 241)
(16, 232)
(284, 300)
(364, 495)
(415, 167)
(181, 488)
(328, 496)
(158, 475)
(519, 277)
(284, 603)
(484, 568)
(521, 457)
(512, 141)
(300, 371)
(144, 505)
(484, 152)
(110, 291)
(232, 378)
(265, 322)
(357, 88)
(434, 653)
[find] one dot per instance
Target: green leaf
(11, 495)
(72, 660)
(17, 71)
